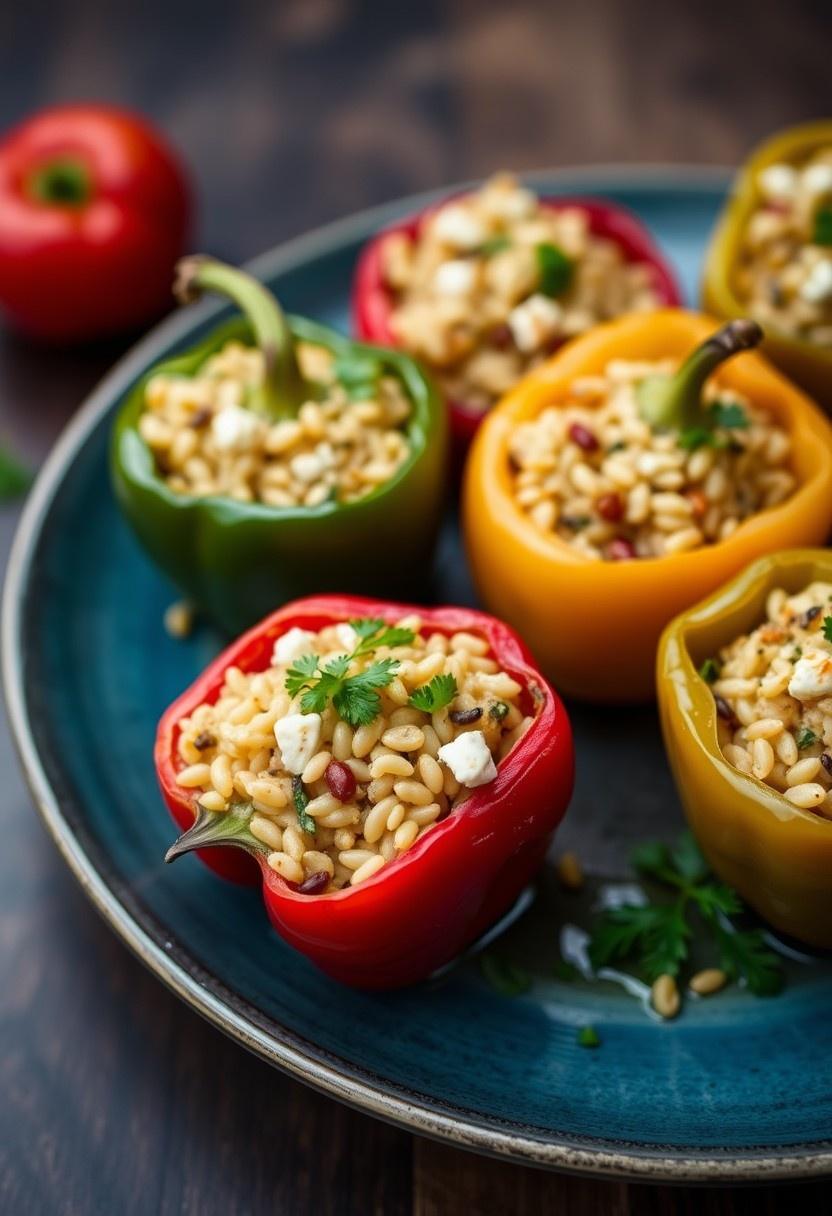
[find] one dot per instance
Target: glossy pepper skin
(414, 916)
(777, 856)
(594, 626)
(372, 301)
(808, 364)
(94, 211)
(238, 559)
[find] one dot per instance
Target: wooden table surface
(115, 1097)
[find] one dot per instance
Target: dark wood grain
(115, 1097)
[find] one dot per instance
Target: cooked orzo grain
(784, 272)
(206, 442)
(596, 475)
(496, 279)
(773, 690)
(334, 802)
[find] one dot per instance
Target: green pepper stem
(211, 828)
(675, 402)
(283, 390)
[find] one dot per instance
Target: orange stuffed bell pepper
(756, 791)
(771, 254)
(608, 491)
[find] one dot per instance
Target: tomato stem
(283, 390)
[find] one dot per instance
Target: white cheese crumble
(298, 736)
(534, 322)
(778, 182)
(234, 429)
(817, 179)
(458, 226)
(812, 676)
(817, 286)
(292, 645)
(469, 759)
(455, 278)
(347, 637)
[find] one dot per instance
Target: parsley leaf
(506, 978)
(728, 414)
(301, 801)
(358, 374)
(709, 671)
(655, 937)
(494, 244)
(554, 269)
(588, 1037)
(805, 738)
(356, 699)
(822, 231)
(827, 628)
(14, 478)
(498, 711)
(434, 696)
(694, 437)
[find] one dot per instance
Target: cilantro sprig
(355, 697)
(721, 416)
(826, 628)
(434, 696)
(656, 936)
(554, 268)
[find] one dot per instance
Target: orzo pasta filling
(592, 472)
(206, 442)
(496, 280)
(353, 743)
(773, 690)
(784, 273)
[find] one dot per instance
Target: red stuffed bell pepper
(506, 280)
(398, 790)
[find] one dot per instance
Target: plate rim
(421, 1115)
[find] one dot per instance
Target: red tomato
(94, 211)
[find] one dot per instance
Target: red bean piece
(314, 884)
(583, 437)
(610, 507)
(621, 550)
(500, 337)
(826, 761)
(341, 780)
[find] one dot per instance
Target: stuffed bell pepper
(771, 255)
(745, 692)
(395, 773)
(631, 475)
(486, 285)
(279, 459)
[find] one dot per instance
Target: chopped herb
(498, 711)
(822, 231)
(588, 1037)
(494, 244)
(618, 446)
(565, 971)
(656, 936)
(729, 414)
(796, 653)
(709, 671)
(301, 801)
(554, 267)
(576, 522)
(355, 697)
(434, 696)
(806, 738)
(506, 978)
(464, 717)
(358, 375)
(826, 628)
(14, 478)
(694, 437)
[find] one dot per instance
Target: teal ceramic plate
(738, 1088)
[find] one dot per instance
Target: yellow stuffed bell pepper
(808, 362)
(594, 625)
(778, 856)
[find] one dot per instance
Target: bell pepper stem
(213, 828)
(283, 390)
(675, 402)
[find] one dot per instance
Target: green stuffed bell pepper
(279, 459)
